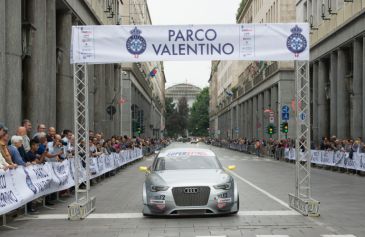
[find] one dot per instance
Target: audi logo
(191, 190)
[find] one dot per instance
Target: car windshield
(186, 162)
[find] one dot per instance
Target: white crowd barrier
(24, 184)
(332, 158)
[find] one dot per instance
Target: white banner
(331, 158)
(24, 184)
(98, 44)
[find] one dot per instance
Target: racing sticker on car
(187, 153)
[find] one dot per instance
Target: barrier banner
(9, 196)
(98, 44)
(24, 184)
(331, 158)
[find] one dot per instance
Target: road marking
(272, 235)
(211, 236)
(261, 190)
(268, 213)
(338, 235)
(139, 215)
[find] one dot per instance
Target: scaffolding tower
(302, 200)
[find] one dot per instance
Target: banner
(99, 44)
(331, 158)
(24, 184)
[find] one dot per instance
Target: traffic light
(285, 127)
(271, 129)
(139, 130)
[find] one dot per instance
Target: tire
(238, 206)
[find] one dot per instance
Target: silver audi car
(188, 181)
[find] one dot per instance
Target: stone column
(333, 100)
(117, 80)
(100, 108)
(244, 121)
(3, 59)
(36, 105)
(322, 103)
(363, 89)
(50, 113)
(315, 114)
(260, 112)
(126, 116)
(266, 116)
(342, 97)
(249, 119)
(356, 109)
(233, 113)
(274, 105)
(11, 64)
(254, 117)
(64, 84)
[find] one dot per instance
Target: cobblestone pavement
(263, 183)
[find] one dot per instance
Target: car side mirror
(231, 167)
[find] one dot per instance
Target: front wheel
(238, 206)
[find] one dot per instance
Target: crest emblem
(136, 44)
(296, 42)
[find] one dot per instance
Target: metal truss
(302, 200)
(84, 204)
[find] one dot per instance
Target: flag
(122, 101)
(293, 104)
(228, 92)
(153, 72)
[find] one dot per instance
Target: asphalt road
(263, 183)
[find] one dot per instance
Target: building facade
(145, 107)
(189, 91)
(254, 87)
(337, 70)
(36, 79)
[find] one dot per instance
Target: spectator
(28, 126)
(32, 155)
(66, 140)
(40, 128)
(22, 132)
(54, 151)
(257, 147)
(5, 151)
(51, 134)
(16, 142)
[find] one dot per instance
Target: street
(263, 184)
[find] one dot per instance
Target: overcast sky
(182, 12)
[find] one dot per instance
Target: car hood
(194, 177)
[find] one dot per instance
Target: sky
(183, 12)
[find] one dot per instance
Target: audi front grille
(191, 196)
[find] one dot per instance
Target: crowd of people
(271, 145)
(46, 145)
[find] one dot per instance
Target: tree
(199, 116)
(176, 118)
(183, 114)
(171, 118)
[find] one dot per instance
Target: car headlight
(224, 186)
(157, 188)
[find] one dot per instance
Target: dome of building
(189, 91)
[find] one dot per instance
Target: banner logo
(136, 44)
(296, 42)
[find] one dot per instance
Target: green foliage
(176, 118)
(240, 9)
(199, 114)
